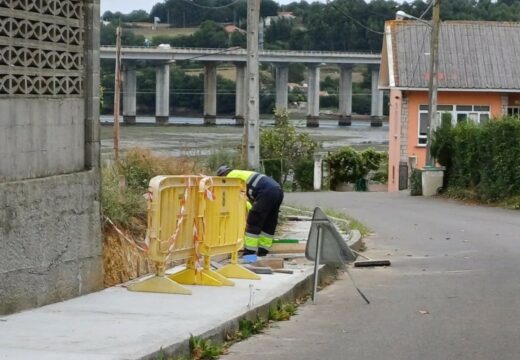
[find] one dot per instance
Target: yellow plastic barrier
(221, 217)
(171, 217)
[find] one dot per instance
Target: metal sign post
(317, 263)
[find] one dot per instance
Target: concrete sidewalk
(119, 324)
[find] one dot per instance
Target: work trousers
(263, 219)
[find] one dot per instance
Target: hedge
(481, 159)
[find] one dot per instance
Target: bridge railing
(241, 51)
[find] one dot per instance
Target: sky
(126, 6)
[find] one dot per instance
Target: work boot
(248, 252)
(262, 252)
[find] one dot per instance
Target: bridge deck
(240, 55)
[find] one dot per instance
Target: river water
(187, 136)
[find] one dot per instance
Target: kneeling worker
(266, 195)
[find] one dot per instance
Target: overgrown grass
(512, 203)
(124, 183)
(470, 195)
(342, 220)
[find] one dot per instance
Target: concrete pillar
(282, 80)
(313, 96)
(210, 93)
(129, 95)
(162, 94)
(318, 159)
(240, 97)
(345, 95)
(377, 100)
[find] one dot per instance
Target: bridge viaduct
(163, 57)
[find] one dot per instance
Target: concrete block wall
(50, 225)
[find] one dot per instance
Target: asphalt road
(452, 292)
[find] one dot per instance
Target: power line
(211, 7)
(353, 19)
(423, 40)
(427, 9)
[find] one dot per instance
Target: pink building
(478, 77)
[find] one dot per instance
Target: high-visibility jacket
(256, 183)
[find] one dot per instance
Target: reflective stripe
(265, 242)
(241, 174)
(251, 242)
(255, 179)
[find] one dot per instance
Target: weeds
(203, 349)
(248, 328)
(282, 312)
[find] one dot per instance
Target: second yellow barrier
(220, 224)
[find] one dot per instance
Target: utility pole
(117, 93)
(252, 126)
(433, 80)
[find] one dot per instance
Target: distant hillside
(149, 33)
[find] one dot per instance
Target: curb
(355, 240)
(219, 334)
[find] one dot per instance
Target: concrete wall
(50, 243)
(50, 237)
(41, 137)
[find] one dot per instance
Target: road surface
(453, 291)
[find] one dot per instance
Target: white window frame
(476, 113)
(513, 110)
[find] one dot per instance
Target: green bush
(481, 160)
(381, 174)
(416, 182)
(442, 144)
(347, 165)
(304, 174)
(500, 159)
(282, 143)
(273, 168)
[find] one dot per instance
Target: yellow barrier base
(236, 271)
(203, 277)
(159, 284)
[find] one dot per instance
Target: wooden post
(117, 93)
(252, 126)
(433, 81)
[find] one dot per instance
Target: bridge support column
(210, 93)
(240, 97)
(377, 100)
(282, 80)
(345, 95)
(129, 95)
(162, 94)
(313, 96)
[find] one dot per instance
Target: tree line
(339, 25)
